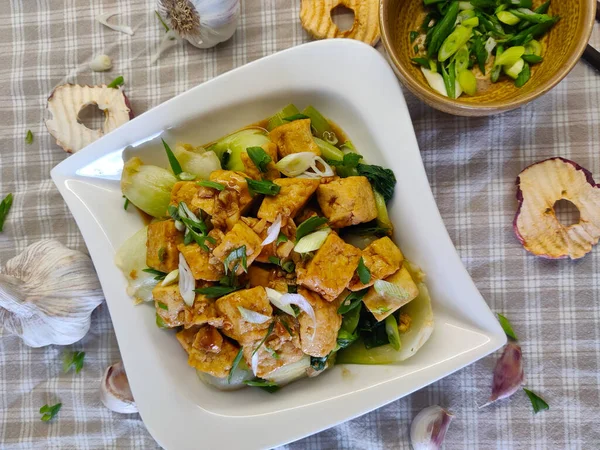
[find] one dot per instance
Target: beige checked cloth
(471, 163)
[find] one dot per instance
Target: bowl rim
(453, 106)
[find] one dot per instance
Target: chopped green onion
(175, 166)
(510, 56)
(538, 403)
(73, 359)
(454, 42)
(467, 82)
(116, 82)
(238, 256)
(364, 274)
(352, 301)
(413, 35)
(4, 208)
(48, 412)
(126, 204)
(265, 385)
(385, 288)
(263, 187)
(159, 275)
(523, 76)
(211, 184)
(514, 70)
(281, 238)
(471, 22)
(435, 81)
(421, 61)
(259, 157)
(298, 116)
(312, 241)
(235, 364)
(532, 59)
(416, 49)
(251, 316)
(29, 137)
(442, 30)
(162, 21)
(309, 225)
(507, 17)
(481, 53)
(216, 291)
(288, 266)
(533, 48)
(507, 327)
(186, 176)
(263, 340)
(160, 323)
(162, 305)
(462, 59)
(391, 328)
(495, 75)
(274, 260)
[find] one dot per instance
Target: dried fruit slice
(539, 187)
(315, 16)
(66, 102)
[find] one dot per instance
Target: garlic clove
(508, 373)
(115, 392)
(101, 63)
(428, 428)
(48, 293)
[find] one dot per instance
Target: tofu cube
(327, 326)
(347, 201)
(212, 354)
(202, 312)
(331, 269)
(234, 326)
(254, 172)
(233, 201)
(169, 304)
(383, 305)
(383, 258)
(292, 197)
(185, 191)
(203, 264)
(161, 246)
(240, 235)
(204, 200)
(294, 137)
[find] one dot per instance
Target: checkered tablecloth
(471, 163)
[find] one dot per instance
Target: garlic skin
(101, 63)
(203, 23)
(47, 294)
(428, 428)
(103, 19)
(115, 392)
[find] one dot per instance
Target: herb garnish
(4, 208)
(196, 229)
(235, 364)
(73, 359)
(262, 187)
(211, 184)
(269, 331)
(538, 403)
(162, 254)
(274, 260)
(116, 82)
(268, 386)
(507, 327)
(383, 180)
(48, 412)
(216, 291)
(237, 256)
(298, 116)
(159, 275)
(259, 157)
(318, 363)
(175, 166)
(160, 323)
(413, 35)
(126, 204)
(352, 301)
(29, 137)
(309, 225)
(281, 238)
(162, 305)
(364, 274)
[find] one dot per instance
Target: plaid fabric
(472, 163)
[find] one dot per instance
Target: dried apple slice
(66, 102)
(539, 187)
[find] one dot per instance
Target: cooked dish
(270, 252)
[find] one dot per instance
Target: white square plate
(352, 84)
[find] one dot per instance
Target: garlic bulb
(47, 294)
(115, 392)
(101, 63)
(429, 427)
(203, 23)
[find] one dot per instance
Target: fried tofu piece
(327, 327)
(161, 247)
(169, 304)
(383, 305)
(186, 338)
(279, 349)
(212, 354)
(273, 278)
(281, 250)
(203, 264)
(204, 199)
(383, 258)
(254, 172)
(331, 269)
(240, 235)
(292, 197)
(230, 203)
(185, 191)
(234, 326)
(294, 137)
(202, 312)
(347, 201)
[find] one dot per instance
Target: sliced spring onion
(386, 288)
(312, 241)
(179, 225)
(171, 278)
(507, 17)
(490, 44)
(329, 151)
(471, 22)
(316, 172)
(435, 80)
(295, 164)
(252, 316)
(187, 283)
(459, 37)
(330, 137)
(468, 82)
(533, 48)
(391, 328)
(462, 59)
(254, 363)
(275, 298)
(510, 56)
(465, 6)
(302, 303)
(186, 176)
(514, 70)
(273, 231)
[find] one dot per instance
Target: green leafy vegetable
(277, 119)
(413, 35)
(29, 137)
(116, 82)
(268, 386)
(364, 274)
(507, 327)
(175, 166)
(353, 300)
(383, 180)
(5, 205)
(538, 403)
(259, 157)
(263, 187)
(309, 225)
(211, 184)
(293, 117)
(159, 275)
(216, 291)
(162, 305)
(73, 359)
(237, 256)
(48, 412)
(235, 364)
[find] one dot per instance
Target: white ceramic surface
(353, 85)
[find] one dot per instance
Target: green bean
(523, 77)
(455, 40)
(442, 30)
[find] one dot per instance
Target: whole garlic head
(203, 23)
(48, 293)
(115, 392)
